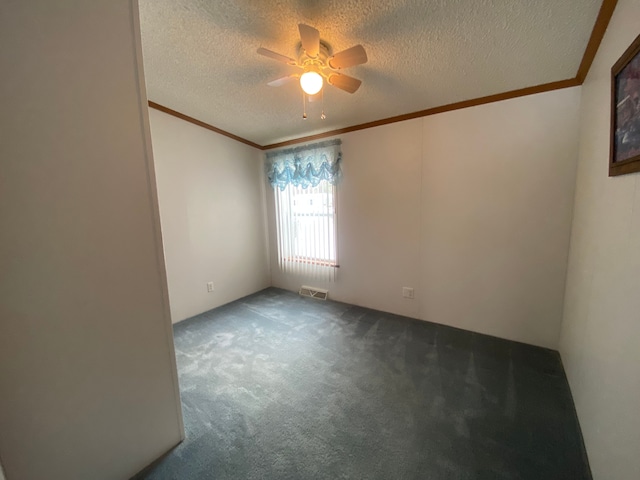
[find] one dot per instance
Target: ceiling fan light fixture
(311, 82)
(318, 64)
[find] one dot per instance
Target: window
(305, 220)
(305, 202)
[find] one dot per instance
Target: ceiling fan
(318, 64)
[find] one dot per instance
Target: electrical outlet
(209, 286)
(407, 292)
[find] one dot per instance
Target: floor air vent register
(313, 292)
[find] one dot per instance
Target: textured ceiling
(200, 56)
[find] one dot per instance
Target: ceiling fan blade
(349, 57)
(282, 80)
(276, 56)
(310, 38)
(344, 82)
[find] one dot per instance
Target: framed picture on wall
(625, 112)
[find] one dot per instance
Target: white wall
(497, 201)
(600, 340)
(472, 208)
(212, 212)
(87, 371)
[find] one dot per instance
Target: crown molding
(547, 87)
(599, 29)
(202, 124)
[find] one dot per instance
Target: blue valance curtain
(305, 166)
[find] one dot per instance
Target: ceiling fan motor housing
(320, 60)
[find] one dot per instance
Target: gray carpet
(276, 386)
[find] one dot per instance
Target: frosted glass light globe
(311, 82)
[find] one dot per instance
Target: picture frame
(625, 112)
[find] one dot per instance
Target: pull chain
(322, 116)
(304, 106)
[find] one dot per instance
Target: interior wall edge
(155, 209)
